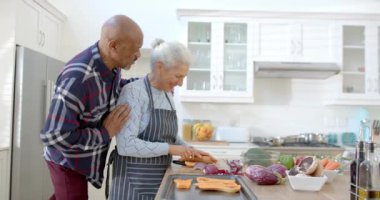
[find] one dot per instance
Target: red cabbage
(210, 170)
(235, 167)
(199, 165)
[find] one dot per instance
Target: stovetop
(264, 144)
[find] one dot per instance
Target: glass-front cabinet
(222, 63)
(359, 81)
(199, 43)
(354, 65)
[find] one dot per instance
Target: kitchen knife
(179, 162)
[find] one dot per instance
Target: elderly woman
(149, 139)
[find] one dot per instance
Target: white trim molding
(276, 15)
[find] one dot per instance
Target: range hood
(301, 70)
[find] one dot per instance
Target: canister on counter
(187, 129)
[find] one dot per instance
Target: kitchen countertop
(337, 190)
(305, 150)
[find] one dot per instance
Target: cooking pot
(292, 139)
(277, 141)
(314, 138)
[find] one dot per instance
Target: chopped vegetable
(263, 176)
(211, 170)
(189, 164)
(324, 162)
(199, 165)
(209, 180)
(219, 186)
(235, 167)
(183, 183)
(332, 165)
(281, 169)
(287, 161)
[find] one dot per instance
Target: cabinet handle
(293, 48)
(47, 97)
(369, 82)
(43, 39)
(40, 38)
(214, 85)
(49, 94)
(300, 48)
(220, 82)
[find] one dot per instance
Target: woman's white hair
(169, 53)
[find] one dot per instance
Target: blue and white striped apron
(136, 178)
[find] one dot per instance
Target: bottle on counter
(376, 173)
(365, 171)
(354, 167)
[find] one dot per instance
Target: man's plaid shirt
(73, 135)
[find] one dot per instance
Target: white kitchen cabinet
(222, 67)
(38, 26)
(296, 41)
(358, 83)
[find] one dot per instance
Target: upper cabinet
(358, 83)
(226, 44)
(39, 26)
(296, 41)
(222, 67)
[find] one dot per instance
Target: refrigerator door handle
(47, 97)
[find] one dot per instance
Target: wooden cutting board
(210, 142)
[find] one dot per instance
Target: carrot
(324, 162)
(332, 165)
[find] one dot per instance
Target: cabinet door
(28, 166)
(275, 41)
(236, 76)
(359, 80)
(50, 28)
(317, 43)
(37, 29)
(28, 31)
(222, 69)
(199, 40)
(296, 41)
(354, 62)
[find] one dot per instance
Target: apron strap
(148, 89)
(110, 162)
(166, 95)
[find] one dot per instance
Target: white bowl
(306, 183)
(331, 174)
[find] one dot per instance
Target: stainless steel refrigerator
(36, 75)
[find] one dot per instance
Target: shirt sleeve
(179, 141)
(128, 143)
(127, 81)
(62, 129)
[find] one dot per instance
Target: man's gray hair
(169, 53)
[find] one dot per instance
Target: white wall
(159, 19)
(349, 6)
(7, 59)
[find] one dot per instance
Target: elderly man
(83, 116)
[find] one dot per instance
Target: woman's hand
(183, 151)
(189, 153)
